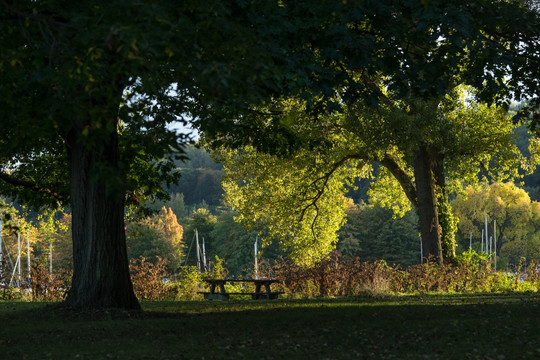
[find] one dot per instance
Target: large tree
(88, 91)
(301, 197)
(415, 54)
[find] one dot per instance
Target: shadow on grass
(405, 327)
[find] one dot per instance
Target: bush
(458, 278)
(148, 278)
(9, 293)
(188, 284)
(49, 287)
(335, 277)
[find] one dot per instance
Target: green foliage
(199, 185)
(54, 231)
(10, 293)
(448, 223)
(387, 193)
(198, 158)
(234, 244)
(471, 257)
(373, 233)
(287, 193)
(189, 283)
(157, 236)
(299, 199)
(218, 269)
(202, 221)
(516, 216)
(175, 203)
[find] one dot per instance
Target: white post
(14, 270)
(490, 247)
(486, 236)
(204, 255)
(470, 242)
(28, 253)
(256, 264)
(50, 256)
(198, 251)
(495, 241)
(482, 242)
(18, 258)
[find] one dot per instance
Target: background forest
(370, 232)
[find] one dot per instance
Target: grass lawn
(408, 327)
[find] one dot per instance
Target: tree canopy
(510, 209)
(89, 88)
(412, 59)
(301, 197)
(88, 91)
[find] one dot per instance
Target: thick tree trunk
(100, 264)
(427, 206)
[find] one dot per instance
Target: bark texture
(446, 219)
(100, 263)
(427, 205)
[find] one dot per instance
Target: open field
(409, 327)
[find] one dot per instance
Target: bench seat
(255, 295)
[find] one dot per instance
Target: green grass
(408, 327)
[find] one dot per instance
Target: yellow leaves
(94, 126)
(133, 53)
(94, 53)
(86, 131)
(16, 63)
(292, 197)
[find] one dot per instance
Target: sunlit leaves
(387, 193)
(158, 235)
(517, 218)
(300, 199)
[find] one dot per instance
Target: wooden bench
(255, 296)
(222, 294)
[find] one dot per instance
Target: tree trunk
(100, 264)
(447, 220)
(427, 206)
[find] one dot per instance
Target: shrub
(188, 284)
(148, 278)
(471, 273)
(49, 287)
(334, 277)
(10, 293)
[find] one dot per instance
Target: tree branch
(390, 162)
(32, 186)
(320, 191)
(266, 113)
